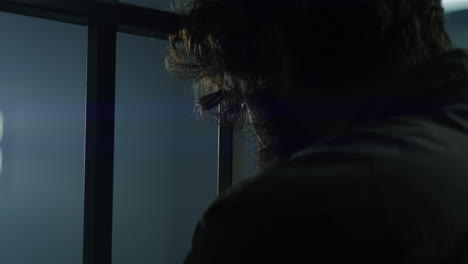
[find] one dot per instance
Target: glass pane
(454, 5)
(42, 105)
(165, 5)
(457, 27)
(165, 160)
(250, 168)
(243, 154)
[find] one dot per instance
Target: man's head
(290, 67)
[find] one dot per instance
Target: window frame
(104, 20)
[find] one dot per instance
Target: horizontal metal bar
(127, 18)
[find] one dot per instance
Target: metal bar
(99, 160)
(128, 18)
(225, 156)
(238, 153)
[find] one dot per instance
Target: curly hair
(227, 47)
(224, 44)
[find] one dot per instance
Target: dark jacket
(393, 189)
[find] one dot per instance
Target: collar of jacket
(427, 87)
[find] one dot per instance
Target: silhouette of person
(359, 109)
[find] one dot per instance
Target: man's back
(392, 189)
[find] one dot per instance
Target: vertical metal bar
(99, 160)
(238, 153)
(225, 155)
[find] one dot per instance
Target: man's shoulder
(305, 200)
(258, 213)
(292, 183)
(346, 172)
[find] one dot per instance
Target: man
(360, 111)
